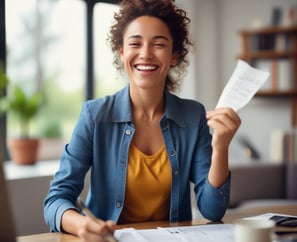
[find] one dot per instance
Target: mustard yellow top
(148, 187)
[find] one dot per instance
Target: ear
(175, 59)
(120, 51)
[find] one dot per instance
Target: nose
(146, 52)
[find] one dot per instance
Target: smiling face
(147, 52)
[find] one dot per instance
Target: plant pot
(23, 151)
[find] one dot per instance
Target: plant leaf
(32, 105)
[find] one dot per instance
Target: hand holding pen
(108, 237)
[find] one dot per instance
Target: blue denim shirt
(101, 141)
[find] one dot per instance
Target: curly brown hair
(175, 18)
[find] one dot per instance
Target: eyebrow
(155, 37)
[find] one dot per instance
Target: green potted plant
(23, 149)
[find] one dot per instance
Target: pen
(82, 207)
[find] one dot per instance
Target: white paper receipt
(244, 82)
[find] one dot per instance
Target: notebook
(7, 229)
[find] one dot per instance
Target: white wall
(201, 82)
(215, 26)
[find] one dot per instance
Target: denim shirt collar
(172, 109)
(122, 107)
(123, 113)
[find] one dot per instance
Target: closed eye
(134, 44)
(159, 45)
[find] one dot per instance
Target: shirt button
(176, 173)
(128, 131)
(118, 204)
(172, 153)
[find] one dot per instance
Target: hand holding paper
(242, 86)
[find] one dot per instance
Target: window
(46, 42)
(46, 51)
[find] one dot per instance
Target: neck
(147, 104)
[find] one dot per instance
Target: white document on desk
(244, 82)
(201, 233)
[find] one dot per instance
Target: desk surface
(230, 217)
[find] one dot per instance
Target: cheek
(164, 56)
(126, 55)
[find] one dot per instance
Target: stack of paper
(201, 233)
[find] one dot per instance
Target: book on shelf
(274, 42)
(282, 42)
(281, 74)
(265, 65)
(260, 42)
(283, 146)
(276, 16)
(278, 149)
(290, 146)
(285, 75)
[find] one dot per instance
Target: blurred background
(46, 50)
(59, 48)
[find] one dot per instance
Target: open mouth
(141, 67)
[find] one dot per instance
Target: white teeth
(146, 67)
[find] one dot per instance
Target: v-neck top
(148, 187)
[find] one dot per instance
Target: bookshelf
(274, 49)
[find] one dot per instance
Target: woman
(143, 144)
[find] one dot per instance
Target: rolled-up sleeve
(214, 201)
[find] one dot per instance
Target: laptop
(7, 229)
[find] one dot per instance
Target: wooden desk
(230, 217)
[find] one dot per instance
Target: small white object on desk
(254, 230)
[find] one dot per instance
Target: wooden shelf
(276, 46)
(267, 54)
(290, 93)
